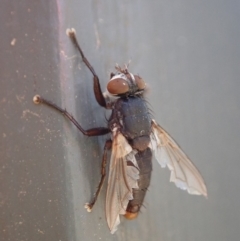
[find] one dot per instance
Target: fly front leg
(90, 132)
(107, 147)
(96, 85)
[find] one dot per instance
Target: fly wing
(122, 178)
(183, 173)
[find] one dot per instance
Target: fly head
(124, 83)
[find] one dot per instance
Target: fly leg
(96, 85)
(107, 147)
(90, 132)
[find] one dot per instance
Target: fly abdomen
(144, 160)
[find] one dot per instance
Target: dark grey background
(188, 53)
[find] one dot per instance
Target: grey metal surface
(188, 52)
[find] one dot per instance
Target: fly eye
(117, 86)
(140, 82)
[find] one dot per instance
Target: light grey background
(188, 53)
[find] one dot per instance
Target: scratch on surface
(67, 57)
(97, 36)
(40, 231)
(25, 112)
(20, 98)
(52, 131)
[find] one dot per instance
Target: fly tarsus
(107, 147)
(96, 87)
(72, 34)
(89, 207)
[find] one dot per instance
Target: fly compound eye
(140, 82)
(118, 86)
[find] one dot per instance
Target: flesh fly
(135, 137)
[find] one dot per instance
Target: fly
(134, 139)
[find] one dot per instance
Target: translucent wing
(183, 173)
(122, 178)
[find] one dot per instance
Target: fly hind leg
(107, 147)
(96, 85)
